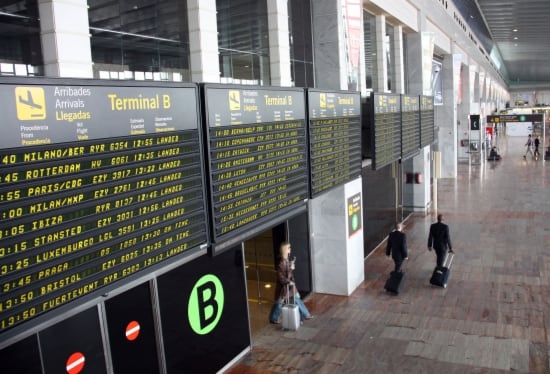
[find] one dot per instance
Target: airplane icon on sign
(234, 100)
(30, 103)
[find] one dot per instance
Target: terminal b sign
(204, 312)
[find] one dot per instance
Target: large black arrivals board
(257, 148)
(410, 125)
(386, 131)
(97, 183)
(427, 121)
(334, 138)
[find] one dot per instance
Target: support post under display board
(257, 148)
(334, 138)
(97, 184)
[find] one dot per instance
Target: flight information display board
(502, 118)
(410, 125)
(103, 182)
(334, 138)
(386, 132)
(427, 122)
(258, 155)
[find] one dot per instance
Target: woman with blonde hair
(286, 288)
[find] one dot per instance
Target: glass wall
(243, 41)
(141, 40)
(20, 46)
(301, 54)
(369, 40)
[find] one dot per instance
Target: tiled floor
(490, 319)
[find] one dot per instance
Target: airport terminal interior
(154, 156)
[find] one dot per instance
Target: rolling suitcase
(291, 315)
(394, 282)
(440, 276)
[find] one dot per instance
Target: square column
(203, 41)
(65, 36)
(279, 46)
(399, 65)
(337, 249)
(381, 60)
(420, 47)
(449, 130)
(326, 18)
(336, 35)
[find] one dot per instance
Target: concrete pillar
(381, 62)
(417, 196)
(326, 29)
(398, 70)
(279, 45)
(420, 47)
(463, 109)
(65, 36)
(475, 88)
(447, 124)
(337, 253)
(203, 41)
(336, 34)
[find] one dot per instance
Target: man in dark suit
(440, 239)
(397, 246)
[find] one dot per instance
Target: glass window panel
(243, 41)
(145, 36)
(369, 37)
(301, 54)
(20, 43)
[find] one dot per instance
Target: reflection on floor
(260, 279)
(259, 313)
(260, 300)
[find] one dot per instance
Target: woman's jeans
(276, 309)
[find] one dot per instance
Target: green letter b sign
(205, 304)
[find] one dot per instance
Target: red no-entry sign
(75, 363)
(132, 330)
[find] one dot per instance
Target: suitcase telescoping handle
(288, 284)
(287, 299)
(448, 260)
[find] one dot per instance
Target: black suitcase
(440, 276)
(394, 282)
